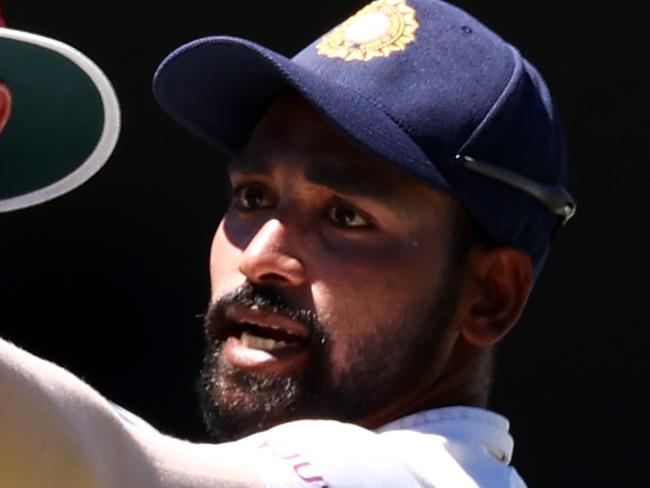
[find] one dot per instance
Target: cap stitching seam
(508, 89)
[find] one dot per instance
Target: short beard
(236, 403)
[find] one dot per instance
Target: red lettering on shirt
(302, 467)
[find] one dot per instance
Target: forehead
(294, 134)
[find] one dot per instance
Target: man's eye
(343, 216)
(250, 198)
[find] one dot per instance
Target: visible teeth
(262, 343)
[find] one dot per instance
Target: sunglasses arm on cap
(555, 198)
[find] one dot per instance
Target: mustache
(264, 298)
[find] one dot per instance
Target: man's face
(332, 287)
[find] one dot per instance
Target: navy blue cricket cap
(419, 83)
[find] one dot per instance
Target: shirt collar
(468, 423)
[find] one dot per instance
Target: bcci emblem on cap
(378, 30)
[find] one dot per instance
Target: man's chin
(236, 403)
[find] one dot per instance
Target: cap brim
(218, 88)
(64, 121)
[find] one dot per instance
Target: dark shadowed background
(108, 280)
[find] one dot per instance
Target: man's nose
(269, 259)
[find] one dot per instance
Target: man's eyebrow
(348, 178)
(253, 165)
(353, 179)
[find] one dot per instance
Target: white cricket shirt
(459, 447)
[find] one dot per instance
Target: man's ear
(497, 285)
(5, 105)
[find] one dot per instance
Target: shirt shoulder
(456, 447)
(326, 453)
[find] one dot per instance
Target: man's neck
(464, 382)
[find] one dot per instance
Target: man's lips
(264, 341)
(268, 321)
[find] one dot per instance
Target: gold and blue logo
(378, 30)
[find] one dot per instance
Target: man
(395, 188)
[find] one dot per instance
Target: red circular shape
(5, 105)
